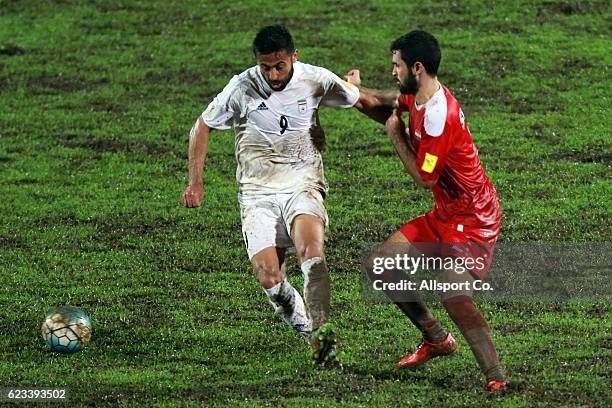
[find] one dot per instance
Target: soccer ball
(66, 329)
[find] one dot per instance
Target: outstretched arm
(198, 148)
(395, 130)
(378, 104)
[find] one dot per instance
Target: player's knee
(268, 275)
(269, 281)
(309, 250)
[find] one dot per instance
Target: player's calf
(477, 333)
(408, 301)
(317, 290)
(289, 305)
(285, 299)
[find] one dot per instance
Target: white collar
(431, 100)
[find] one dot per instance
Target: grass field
(96, 102)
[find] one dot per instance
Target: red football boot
(496, 386)
(427, 351)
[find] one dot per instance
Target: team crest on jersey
(302, 105)
(417, 134)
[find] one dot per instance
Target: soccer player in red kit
(437, 151)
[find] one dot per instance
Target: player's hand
(317, 135)
(192, 197)
(393, 126)
(353, 77)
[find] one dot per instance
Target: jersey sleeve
(433, 152)
(221, 111)
(403, 103)
(338, 93)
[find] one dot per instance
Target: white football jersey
(274, 150)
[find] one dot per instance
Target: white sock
(316, 290)
(290, 307)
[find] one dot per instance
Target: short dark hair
(419, 46)
(271, 39)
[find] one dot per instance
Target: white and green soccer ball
(66, 329)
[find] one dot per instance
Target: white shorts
(266, 219)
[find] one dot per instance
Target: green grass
(96, 101)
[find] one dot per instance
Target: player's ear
(295, 55)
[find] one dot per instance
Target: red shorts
(433, 237)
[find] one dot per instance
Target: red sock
(477, 333)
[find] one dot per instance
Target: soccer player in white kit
(273, 109)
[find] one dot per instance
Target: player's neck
(429, 87)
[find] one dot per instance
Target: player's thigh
(269, 266)
(306, 219)
(396, 244)
(308, 233)
(411, 239)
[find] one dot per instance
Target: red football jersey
(439, 136)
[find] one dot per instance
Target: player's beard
(283, 83)
(409, 87)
